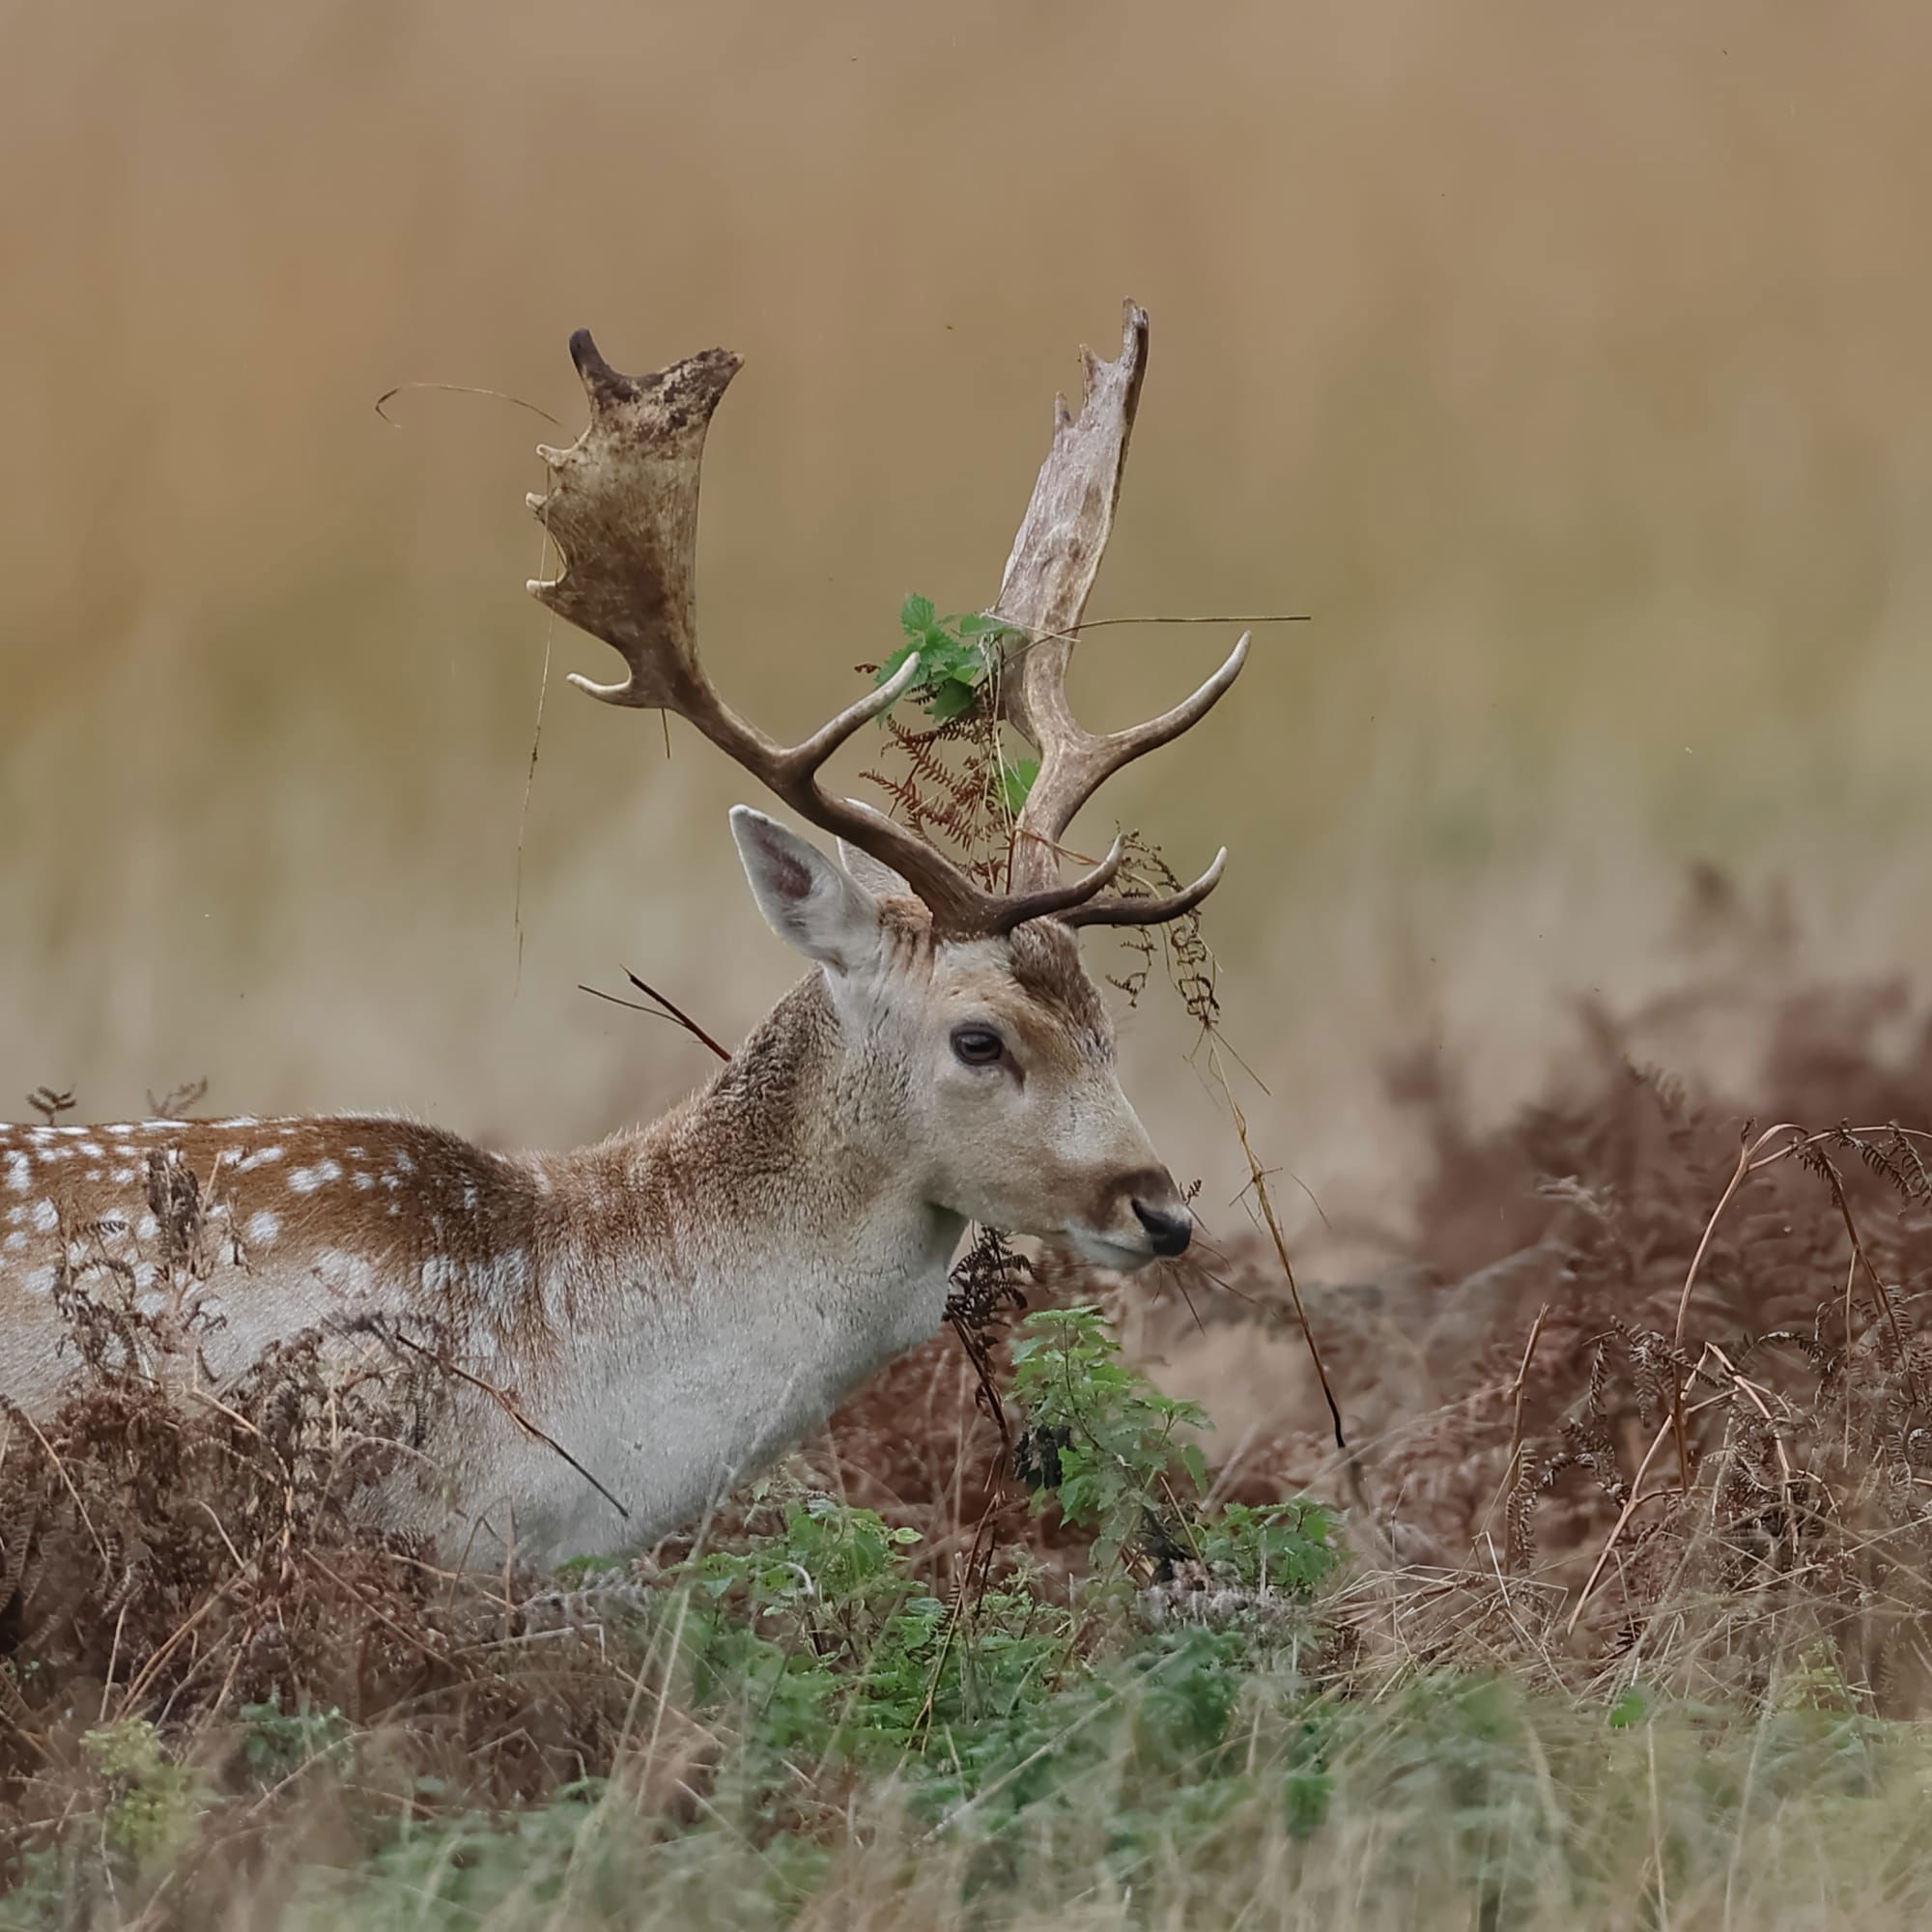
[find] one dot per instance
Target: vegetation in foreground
(1062, 1658)
(1187, 1722)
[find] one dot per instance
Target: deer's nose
(1169, 1230)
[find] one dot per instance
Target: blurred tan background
(1572, 367)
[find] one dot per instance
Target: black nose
(1169, 1232)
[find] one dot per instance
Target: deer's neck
(723, 1278)
(792, 1158)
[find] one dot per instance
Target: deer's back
(236, 1234)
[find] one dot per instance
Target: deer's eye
(978, 1046)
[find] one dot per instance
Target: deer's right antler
(623, 509)
(1055, 559)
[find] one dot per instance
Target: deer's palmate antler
(623, 509)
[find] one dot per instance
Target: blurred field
(1573, 371)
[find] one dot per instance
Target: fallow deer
(632, 1328)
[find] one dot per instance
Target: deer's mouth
(1122, 1257)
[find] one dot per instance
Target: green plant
(1290, 1547)
(152, 1798)
(959, 661)
(1101, 1439)
(817, 1638)
(276, 1742)
(147, 1807)
(957, 656)
(832, 1573)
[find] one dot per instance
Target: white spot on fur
(306, 1179)
(364, 1180)
(468, 1194)
(404, 1164)
(262, 1230)
(240, 1120)
(38, 1280)
(346, 1273)
(15, 1243)
(46, 1217)
(146, 1274)
(123, 1177)
(19, 1172)
(260, 1157)
(93, 1149)
(147, 1227)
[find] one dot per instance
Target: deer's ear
(810, 902)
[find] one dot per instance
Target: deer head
(966, 1019)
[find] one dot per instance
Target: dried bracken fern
(1711, 1460)
(945, 782)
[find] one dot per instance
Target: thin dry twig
(1258, 1179)
(662, 1009)
(457, 389)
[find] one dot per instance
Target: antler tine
(1055, 559)
(623, 509)
(1151, 912)
(1061, 901)
(1088, 759)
